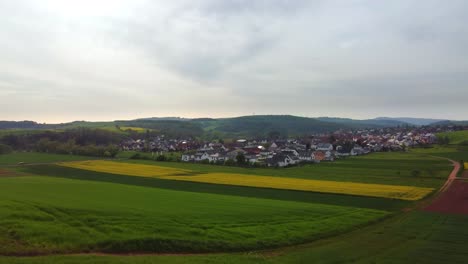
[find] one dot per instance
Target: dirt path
(452, 176)
(6, 173)
(453, 196)
(464, 175)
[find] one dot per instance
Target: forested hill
(245, 126)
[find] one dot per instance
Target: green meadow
(383, 168)
(55, 211)
(415, 237)
(455, 137)
(41, 215)
(34, 157)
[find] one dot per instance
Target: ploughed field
(141, 206)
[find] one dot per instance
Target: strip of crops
(362, 189)
(126, 168)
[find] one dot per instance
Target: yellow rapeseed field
(137, 129)
(351, 188)
(124, 168)
(362, 189)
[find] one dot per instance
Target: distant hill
(365, 123)
(263, 125)
(244, 126)
(412, 120)
(450, 123)
(164, 119)
(20, 125)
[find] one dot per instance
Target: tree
(240, 158)
(415, 173)
(5, 149)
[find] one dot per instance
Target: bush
(5, 149)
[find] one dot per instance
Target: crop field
(198, 187)
(456, 137)
(136, 129)
(126, 168)
(33, 157)
(408, 169)
(135, 206)
(416, 237)
(363, 189)
(44, 215)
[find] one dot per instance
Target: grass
(34, 157)
(130, 169)
(456, 153)
(49, 215)
(276, 194)
(77, 209)
(136, 129)
(361, 189)
(395, 168)
(455, 137)
(416, 237)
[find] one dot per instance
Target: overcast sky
(109, 59)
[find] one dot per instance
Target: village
(282, 152)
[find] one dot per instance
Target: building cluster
(287, 152)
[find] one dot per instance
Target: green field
(33, 157)
(416, 237)
(56, 210)
(45, 215)
(380, 168)
(456, 137)
(456, 153)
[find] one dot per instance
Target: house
(306, 156)
(290, 152)
(187, 157)
(279, 160)
(319, 155)
(202, 156)
(324, 146)
(357, 151)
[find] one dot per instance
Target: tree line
(78, 141)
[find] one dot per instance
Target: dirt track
(453, 196)
(5, 173)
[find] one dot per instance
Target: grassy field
(456, 137)
(62, 209)
(34, 157)
(416, 237)
(456, 153)
(361, 189)
(379, 168)
(267, 193)
(136, 129)
(45, 215)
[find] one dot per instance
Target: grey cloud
(358, 58)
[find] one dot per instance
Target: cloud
(126, 59)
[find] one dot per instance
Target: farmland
(32, 157)
(144, 206)
(44, 215)
(364, 189)
(378, 168)
(456, 137)
(361, 189)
